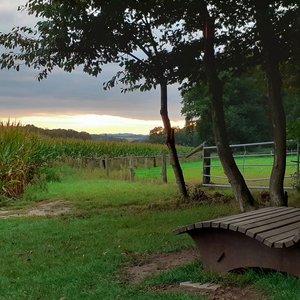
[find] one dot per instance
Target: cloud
(75, 93)
(11, 17)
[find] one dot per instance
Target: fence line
(125, 166)
(208, 166)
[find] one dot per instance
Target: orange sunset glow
(93, 123)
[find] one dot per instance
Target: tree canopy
(245, 106)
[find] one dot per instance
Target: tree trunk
(171, 141)
(239, 187)
(271, 65)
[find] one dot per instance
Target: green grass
(193, 171)
(80, 255)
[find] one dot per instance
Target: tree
(186, 136)
(243, 103)
(264, 13)
(264, 33)
(235, 177)
(59, 133)
(244, 37)
(294, 130)
(68, 35)
(247, 34)
(157, 135)
(196, 107)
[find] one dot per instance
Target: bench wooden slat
(180, 230)
(206, 224)
(263, 235)
(297, 237)
(276, 238)
(252, 218)
(190, 227)
(250, 213)
(284, 243)
(244, 226)
(281, 224)
(198, 225)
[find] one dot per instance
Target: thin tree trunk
(239, 187)
(271, 65)
(171, 141)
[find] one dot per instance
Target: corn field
(20, 156)
(23, 154)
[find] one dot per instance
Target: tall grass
(20, 157)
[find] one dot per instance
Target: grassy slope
(79, 255)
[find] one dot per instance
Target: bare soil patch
(150, 265)
(147, 265)
(53, 208)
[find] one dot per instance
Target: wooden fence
(125, 167)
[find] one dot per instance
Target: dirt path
(53, 208)
(154, 264)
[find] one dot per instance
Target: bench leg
(223, 251)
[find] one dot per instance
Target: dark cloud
(21, 93)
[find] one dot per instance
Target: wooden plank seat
(267, 238)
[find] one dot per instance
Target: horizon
(91, 123)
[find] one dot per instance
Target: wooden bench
(267, 238)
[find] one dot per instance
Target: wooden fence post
(107, 166)
(164, 169)
(206, 166)
(131, 168)
(103, 163)
(154, 162)
(146, 162)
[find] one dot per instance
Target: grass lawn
(80, 255)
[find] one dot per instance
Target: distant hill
(60, 133)
(73, 134)
(124, 137)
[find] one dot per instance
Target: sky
(76, 100)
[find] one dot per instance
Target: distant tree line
(82, 135)
(187, 136)
(60, 133)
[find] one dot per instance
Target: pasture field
(82, 253)
(251, 167)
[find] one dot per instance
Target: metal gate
(253, 160)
